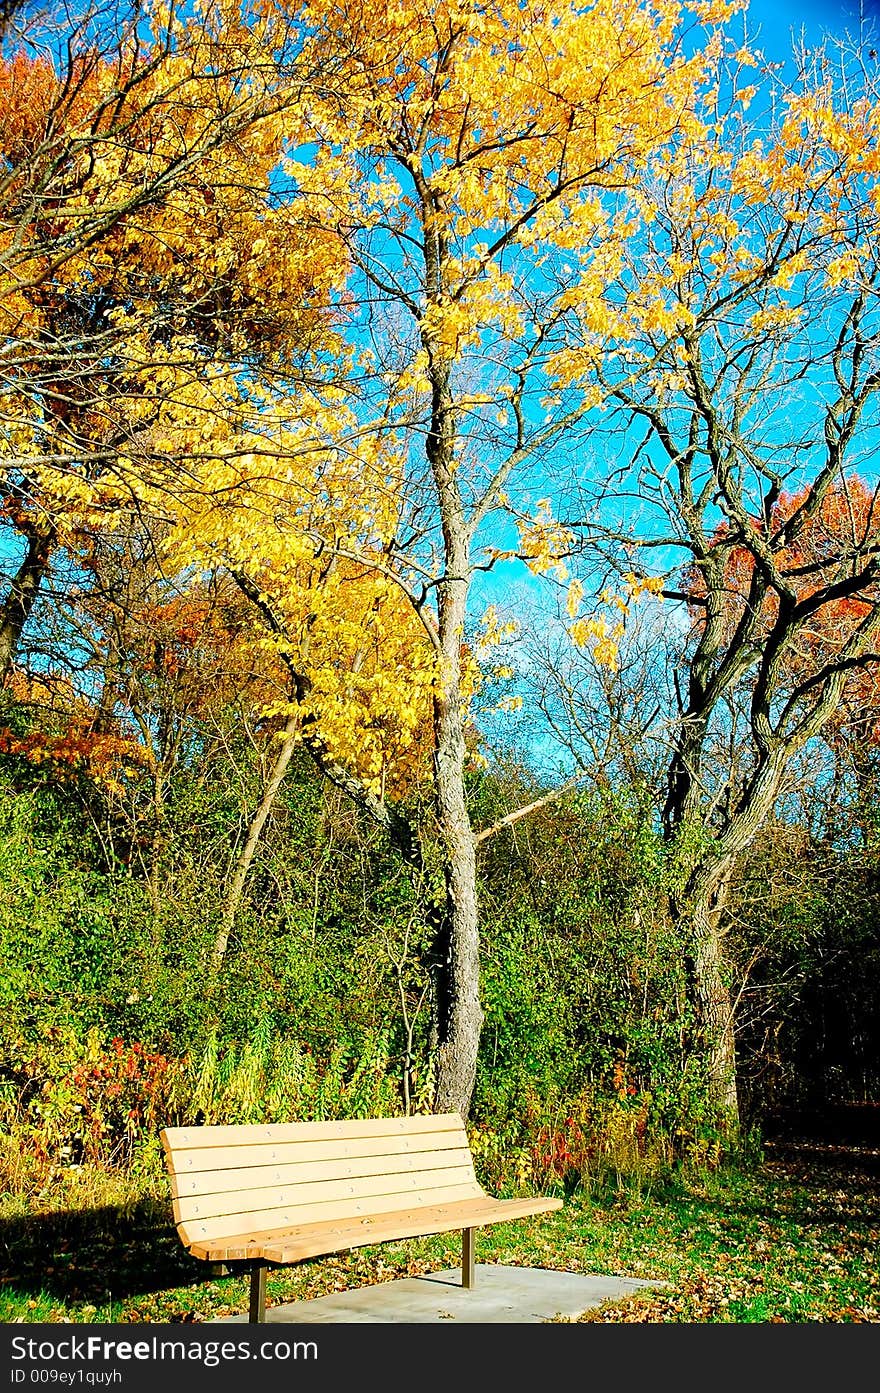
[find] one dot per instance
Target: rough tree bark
(23, 592)
(459, 1016)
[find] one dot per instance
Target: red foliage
(830, 547)
(559, 1151)
(90, 1102)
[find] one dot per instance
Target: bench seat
(313, 1240)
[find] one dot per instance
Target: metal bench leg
(468, 1272)
(257, 1313)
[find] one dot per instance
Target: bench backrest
(227, 1181)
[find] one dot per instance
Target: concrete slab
(516, 1295)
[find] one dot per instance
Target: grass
(777, 1243)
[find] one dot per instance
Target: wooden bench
(270, 1195)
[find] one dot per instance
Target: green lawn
(772, 1244)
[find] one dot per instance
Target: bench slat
(313, 1240)
(287, 1217)
(413, 1224)
(297, 1171)
(303, 1195)
(179, 1138)
(192, 1161)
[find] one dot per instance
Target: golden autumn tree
(170, 324)
(464, 161)
(306, 544)
(742, 363)
(159, 291)
(140, 265)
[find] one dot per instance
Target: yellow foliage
(464, 169)
(544, 541)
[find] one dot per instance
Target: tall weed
(270, 1080)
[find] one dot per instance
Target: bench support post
(468, 1270)
(257, 1314)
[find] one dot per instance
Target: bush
(75, 1101)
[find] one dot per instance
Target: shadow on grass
(92, 1255)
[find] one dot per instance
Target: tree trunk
(248, 850)
(23, 593)
(711, 997)
(458, 1013)
(699, 909)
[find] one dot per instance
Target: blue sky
(778, 19)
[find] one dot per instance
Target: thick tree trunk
(711, 998)
(700, 911)
(23, 592)
(247, 851)
(458, 1014)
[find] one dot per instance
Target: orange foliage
(181, 656)
(27, 89)
(109, 761)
